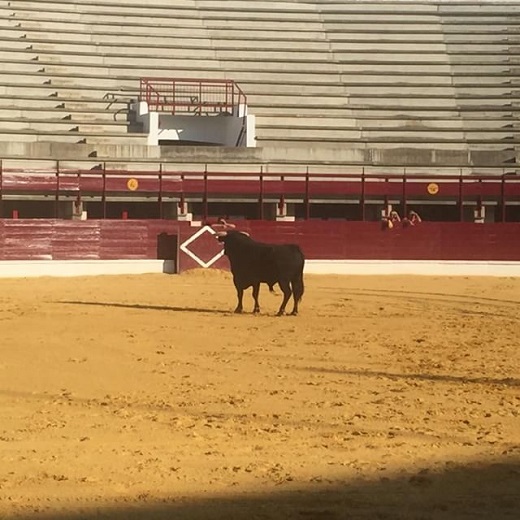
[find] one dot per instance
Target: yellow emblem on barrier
(433, 188)
(132, 184)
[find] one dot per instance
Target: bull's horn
(223, 222)
(221, 233)
(245, 233)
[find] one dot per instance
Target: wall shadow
(435, 296)
(506, 381)
(477, 492)
(145, 307)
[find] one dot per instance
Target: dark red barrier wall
(341, 240)
(330, 240)
(91, 239)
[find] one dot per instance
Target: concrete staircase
(425, 85)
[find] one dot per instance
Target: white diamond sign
(191, 254)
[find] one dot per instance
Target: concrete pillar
(490, 213)
(72, 209)
(479, 214)
(169, 210)
(182, 211)
(285, 212)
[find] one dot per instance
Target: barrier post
(503, 199)
(160, 197)
(362, 197)
(461, 198)
(205, 195)
(57, 191)
(104, 194)
(307, 196)
(261, 194)
(1, 188)
(404, 202)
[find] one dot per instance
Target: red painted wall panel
(337, 240)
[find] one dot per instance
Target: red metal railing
(192, 96)
(360, 188)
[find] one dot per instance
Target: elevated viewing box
(194, 111)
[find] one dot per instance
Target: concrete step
(319, 133)
(32, 67)
(378, 26)
(224, 19)
(447, 9)
(377, 147)
(385, 57)
(398, 101)
(131, 82)
(106, 43)
(96, 37)
(62, 125)
(104, 27)
(109, 9)
(102, 61)
(76, 82)
(462, 123)
(158, 64)
(444, 81)
(302, 133)
(389, 123)
(341, 48)
(393, 141)
(389, 89)
(104, 138)
(23, 97)
(183, 68)
(356, 109)
(119, 16)
(399, 68)
(423, 38)
(17, 33)
(37, 112)
(23, 48)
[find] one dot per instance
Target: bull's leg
(240, 296)
(286, 289)
(297, 289)
(256, 291)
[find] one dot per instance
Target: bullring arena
(146, 397)
(382, 137)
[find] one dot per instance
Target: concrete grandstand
(342, 112)
(427, 85)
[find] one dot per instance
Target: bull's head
(222, 228)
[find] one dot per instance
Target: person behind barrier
(412, 219)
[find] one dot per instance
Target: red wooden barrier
(330, 240)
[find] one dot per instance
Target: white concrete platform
(413, 267)
(37, 268)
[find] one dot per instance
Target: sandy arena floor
(145, 397)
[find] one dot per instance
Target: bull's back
(290, 259)
(268, 263)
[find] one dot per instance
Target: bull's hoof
(294, 313)
(280, 313)
(256, 311)
(238, 311)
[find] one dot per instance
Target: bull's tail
(298, 288)
(297, 283)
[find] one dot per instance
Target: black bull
(253, 263)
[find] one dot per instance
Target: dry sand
(146, 397)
